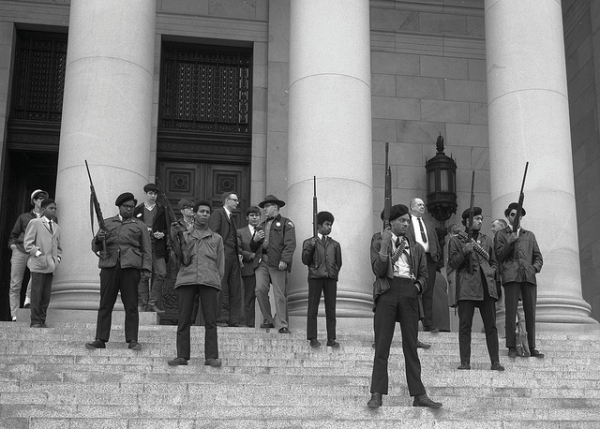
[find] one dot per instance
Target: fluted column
(330, 137)
(528, 117)
(107, 116)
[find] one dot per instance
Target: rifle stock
(387, 196)
(517, 221)
(95, 207)
(315, 229)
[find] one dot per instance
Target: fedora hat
(271, 199)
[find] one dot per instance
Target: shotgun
(95, 207)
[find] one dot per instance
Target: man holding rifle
(519, 255)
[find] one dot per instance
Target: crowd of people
(224, 270)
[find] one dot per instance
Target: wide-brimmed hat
(271, 199)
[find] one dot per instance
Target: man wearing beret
(400, 270)
(520, 258)
(475, 265)
(276, 238)
(153, 215)
(19, 256)
(124, 249)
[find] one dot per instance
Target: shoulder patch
(290, 223)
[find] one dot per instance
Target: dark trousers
(528, 292)
(249, 299)
(41, 289)
(428, 294)
(487, 309)
(208, 303)
(328, 287)
(230, 296)
(113, 280)
(398, 304)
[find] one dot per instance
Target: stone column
(107, 117)
(528, 113)
(330, 138)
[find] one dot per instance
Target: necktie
(324, 239)
(423, 235)
(50, 225)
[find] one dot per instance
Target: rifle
(470, 223)
(387, 193)
(517, 221)
(95, 207)
(315, 206)
(174, 248)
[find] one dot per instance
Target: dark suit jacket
(159, 247)
(434, 245)
(244, 239)
(220, 223)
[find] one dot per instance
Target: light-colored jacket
(207, 259)
(39, 238)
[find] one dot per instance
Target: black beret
(123, 198)
(397, 211)
(514, 206)
(151, 187)
(185, 202)
(476, 212)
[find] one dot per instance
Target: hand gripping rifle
(95, 207)
(387, 195)
(470, 223)
(315, 228)
(174, 247)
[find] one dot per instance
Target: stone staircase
(268, 380)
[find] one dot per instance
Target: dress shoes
(213, 362)
(421, 345)
(497, 367)
(424, 401)
(432, 329)
(14, 318)
(96, 344)
(314, 343)
(27, 303)
(221, 324)
(536, 354)
(375, 401)
(284, 330)
(234, 325)
(464, 366)
(134, 345)
(178, 361)
(512, 352)
(154, 309)
(266, 325)
(333, 344)
(38, 325)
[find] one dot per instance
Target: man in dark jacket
(520, 259)
(251, 259)
(124, 250)
(153, 215)
(230, 297)
(400, 272)
(323, 256)
(277, 238)
(475, 266)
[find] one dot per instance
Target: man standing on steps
(250, 260)
(18, 260)
(124, 249)
(520, 257)
(277, 238)
(230, 297)
(475, 265)
(422, 232)
(400, 276)
(201, 272)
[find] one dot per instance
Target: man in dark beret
(276, 237)
(400, 270)
(520, 258)
(124, 250)
(475, 264)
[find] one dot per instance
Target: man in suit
(42, 242)
(124, 249)
(153, 215)
(230, 297)
(277, 238)
(422, 232)
(250, 260)
(400, 276)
